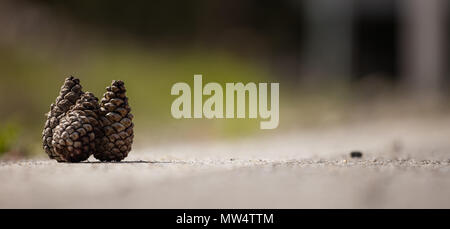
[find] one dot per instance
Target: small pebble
(356, 154)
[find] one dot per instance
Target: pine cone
(70, 92)
(75, 136)
(117, 125)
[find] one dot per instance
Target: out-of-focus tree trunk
(328, 45)
(423, 45)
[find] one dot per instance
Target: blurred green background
(329, 59)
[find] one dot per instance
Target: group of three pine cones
(78, 126)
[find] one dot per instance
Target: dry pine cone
(77, 126)
(117, 125)
(69, 94)
(75, 136)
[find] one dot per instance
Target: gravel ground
(405, 164)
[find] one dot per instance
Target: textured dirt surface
(405, 164)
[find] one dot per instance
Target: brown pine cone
(75, 136)
(70, 92)
(117, 125)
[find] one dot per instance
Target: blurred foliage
(9, 133)
(184, 21)
(32, 78)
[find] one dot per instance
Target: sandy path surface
(405, 163)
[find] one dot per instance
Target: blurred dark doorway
(375, 51)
